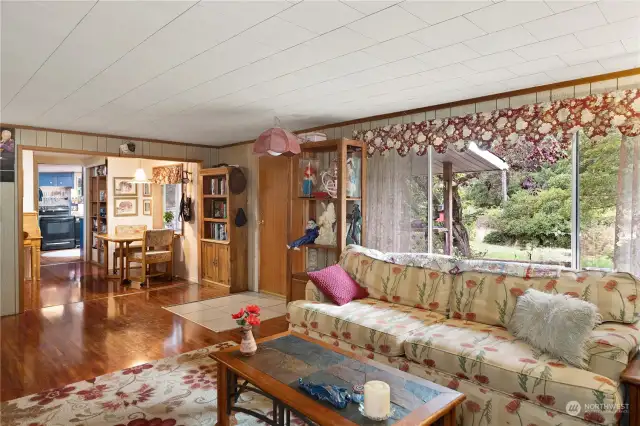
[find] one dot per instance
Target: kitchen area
(61, 210)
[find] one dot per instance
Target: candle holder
(377, 419)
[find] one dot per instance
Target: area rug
(180, 390)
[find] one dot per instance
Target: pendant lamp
(277, 141)
(140, 176)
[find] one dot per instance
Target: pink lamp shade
(276, 141)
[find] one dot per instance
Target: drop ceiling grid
(481, 48)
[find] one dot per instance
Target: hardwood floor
(57, 345)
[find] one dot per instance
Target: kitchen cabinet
(56, 179)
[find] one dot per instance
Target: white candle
(377, 399)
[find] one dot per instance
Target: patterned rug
(180, 391)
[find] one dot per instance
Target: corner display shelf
(223, 245)
(98, 213)
(343, 159)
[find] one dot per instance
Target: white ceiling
(217, 72)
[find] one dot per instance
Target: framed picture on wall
(146, 207)
(146, 190)
(125, 206)
(123, 187)
(7, 154)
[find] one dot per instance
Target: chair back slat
(130, 229)
(158, 238)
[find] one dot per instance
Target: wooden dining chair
(133, 247)
(157, 247)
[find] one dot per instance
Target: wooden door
(222, 263)
(208, 261)
(274, 181)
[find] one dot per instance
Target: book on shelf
(219, 210)
(218, 231)
(218, 185)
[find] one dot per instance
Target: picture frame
(147, 207)
(125, 206)
(123, 187)
(146, 190)
(7, 154)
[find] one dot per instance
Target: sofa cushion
(491, 298)
(612, 345)
(337, 285)
(368, 323)
(416, 286)
(490, 356)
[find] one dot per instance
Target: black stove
(57, 227)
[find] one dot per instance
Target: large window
(171, 197)
(571, 213)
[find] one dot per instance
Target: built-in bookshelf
(223, 244)
(97, 205)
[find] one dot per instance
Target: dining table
(122, 241)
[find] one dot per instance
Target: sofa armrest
(313, 293)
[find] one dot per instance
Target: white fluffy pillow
(556, 324)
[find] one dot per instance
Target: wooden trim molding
(512, 93)
(107, 154)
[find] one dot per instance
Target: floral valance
(167, 175)
(544, 129)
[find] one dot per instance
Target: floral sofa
(444, 319)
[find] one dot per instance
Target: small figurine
(326, 220)
(335, 395)
(310, 234)
(352, 187)
(355, 226)
(309, 180)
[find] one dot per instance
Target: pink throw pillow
(337, 285)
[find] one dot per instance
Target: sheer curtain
(626, 254)
(388, 224)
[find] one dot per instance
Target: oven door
(57, 232)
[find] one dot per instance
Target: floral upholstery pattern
(152, 256)
(158, 238)
(423, 288)
(368, 323)
(491, 298)
(167, 175)
(491, 357)
(612, 346)
(313, 293)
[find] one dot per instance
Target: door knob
(261, 222)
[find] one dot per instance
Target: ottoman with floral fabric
(444, 319)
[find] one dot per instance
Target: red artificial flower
(481, 379)
(473, 406)
(369, 347)
(513, 406)
(462, 376)
(239, 315)
(396, 270)
(346, 335)
(453, 384)
(253, 320)
(546, 399)
(303, 324)
(594, 417)
(253, 309)
(457, 315)
(396, 298)
(370, 355)
(515, 291)
(314, 324)
(611, 285)
(334, 334)
(385, 349)
(404, 367)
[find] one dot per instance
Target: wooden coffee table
(283, 358)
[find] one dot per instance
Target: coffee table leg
(223, 395)
(449, 419)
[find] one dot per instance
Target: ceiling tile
(388, 23)
(611, 32)
(593, 53)
(527, 81)
(278, 33)
(508, 14)
(496, 60)
(320, 16)
(448, 72)
(447, 33)
(576, 71)
(501, 40)
(619, 63)
(631, 44)
(369, 7)
(537, 66)
(433, 12)
(398, 48)
(567, 43)
(490, 76)
(447, 55)
(560, 6)
(36, 28)
(619, 10)
(566, 22)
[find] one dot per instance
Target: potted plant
(168, 219)
(246, 318)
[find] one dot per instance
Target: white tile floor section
(215, 314)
